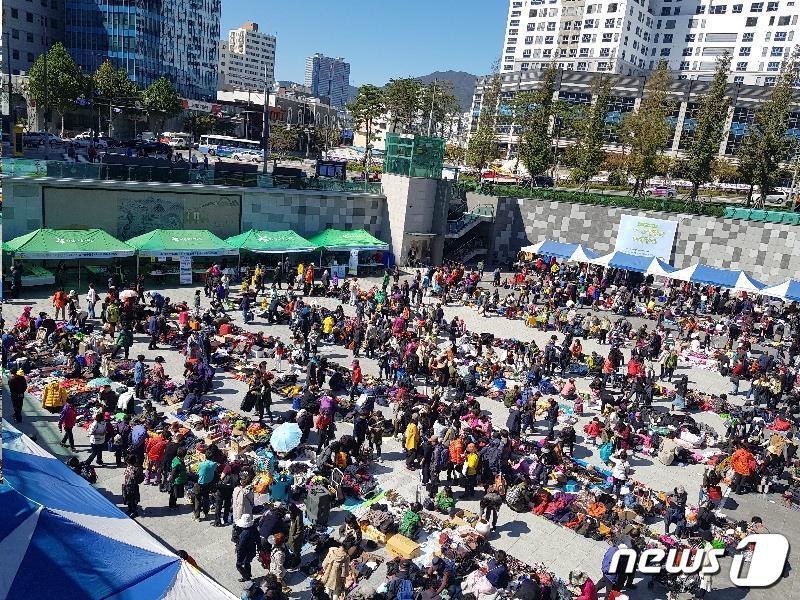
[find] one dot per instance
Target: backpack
(405, 591)
(323, 420)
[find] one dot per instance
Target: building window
(772, 6)
(609, 23)
(780, 36)
(612, 8)
(719, 9)
(29, 17)
(748, 37)
(744, 51)
(584, 53)
(605, 51)
(667, 38)
(699, 10)
(664, 51)
(756, 7)
(547, 53)
(665, 11)
(14, 13)
(773, 66)
(741, 66)
(738, 79)
(690, 37)
(548, 39)
(751, 22)
(687, 51)
(769, 81)
(737, 8)
(581, 66)
(693, 23)
(15, 54)
(529, 39)
(670, 24)
(607, 37)
(30, 57)
(526, 54)
(776, 51)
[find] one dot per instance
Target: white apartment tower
(629, 37)
(244, 57)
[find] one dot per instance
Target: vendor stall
(358, 243)
(180, 245)
(67, 244)
(271, 242)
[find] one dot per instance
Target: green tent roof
(340, 239)
(186, 242)
(270, 242)
(67, 244)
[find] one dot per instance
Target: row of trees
(410, 105)
(643, 134)
(57, 82)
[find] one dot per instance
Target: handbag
(464, 468)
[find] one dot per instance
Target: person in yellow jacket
(412, 443)
(53, 396)
(472, 463)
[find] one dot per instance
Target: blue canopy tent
(788, 290)
(633, 262)
(560, 250)
(60, 538)
(735, 280)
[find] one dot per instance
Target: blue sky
(381, 39)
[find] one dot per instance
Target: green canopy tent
(341, 240)
(183, 243)
(67, 244)
(271, 242)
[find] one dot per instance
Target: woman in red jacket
(66, 422)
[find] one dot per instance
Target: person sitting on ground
(412, 521)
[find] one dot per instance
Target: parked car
(777, 197)
(80, 141)
(148, 147)
(255, 156)
(37, 139)
(663, 191)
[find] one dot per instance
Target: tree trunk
(694, 192)
(62, 125)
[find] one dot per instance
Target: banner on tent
(71, 255)
(643, 236)
(186, 270)
(353, 264)
(176, 254)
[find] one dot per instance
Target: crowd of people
(436, 392)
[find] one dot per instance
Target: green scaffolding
(414, 155)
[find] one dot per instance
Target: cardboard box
(400, 545)
(240, 445)
(374, 534)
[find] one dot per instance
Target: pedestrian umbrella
(99, 382)
(125, 294)
(285, 437)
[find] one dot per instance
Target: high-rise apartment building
(247, 59)
(29, 29)
(178, 39)
(328, 77)
(629, 37)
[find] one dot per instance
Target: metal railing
(466, 219)
(33, 168)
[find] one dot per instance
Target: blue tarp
(550, 248)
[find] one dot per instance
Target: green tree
(438, 107)
(533, 112)
(113, 88)
(766, 145)
(587, 155)
(56, 81)
(161, 101)
(201, 124)
(711, 118)
(646, 131)
(454, 154)
(482, 147)
(282, 139)
(368, 106)
(402, 98)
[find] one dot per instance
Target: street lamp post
(265, 124)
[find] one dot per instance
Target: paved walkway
(525, 536)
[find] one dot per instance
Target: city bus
(223, 145)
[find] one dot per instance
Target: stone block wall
(767, 251)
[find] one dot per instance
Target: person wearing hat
(248, 544)
(17, 386)
(585, 587)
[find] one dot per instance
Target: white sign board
(186, 270)
(353, 264)
(643, 236)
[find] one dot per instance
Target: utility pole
(430, 116)
(265, 124)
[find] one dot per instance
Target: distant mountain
(463, 84)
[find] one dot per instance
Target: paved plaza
(525, 536)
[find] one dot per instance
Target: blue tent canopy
(551, 248)
(634, 262)
(60, 538)
(788, 290)
(732, 279)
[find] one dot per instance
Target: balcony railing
(22, 167)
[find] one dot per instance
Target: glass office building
(178, 39)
